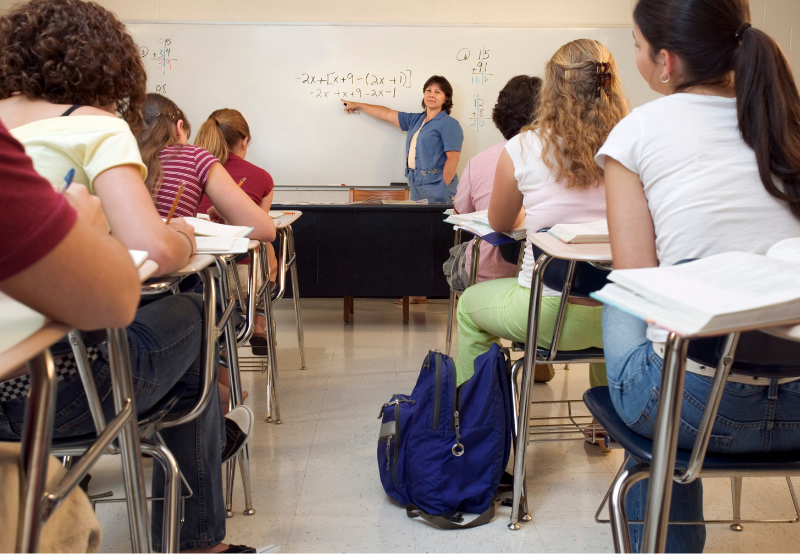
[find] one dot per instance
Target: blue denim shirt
(441, 134)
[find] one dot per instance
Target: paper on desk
(17, 322)
(221, 245)
(139, 256)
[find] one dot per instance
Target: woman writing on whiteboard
(433, 146)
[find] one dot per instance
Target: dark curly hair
(71, 52)
(516, 105)
(444, 84)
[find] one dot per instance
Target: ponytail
(768, 107)
(221, 132)
(714, 39)
(161, 116)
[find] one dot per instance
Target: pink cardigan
(473, 195)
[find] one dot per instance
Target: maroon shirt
(34, 218)
(258, 184)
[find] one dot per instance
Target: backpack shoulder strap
(442, 522)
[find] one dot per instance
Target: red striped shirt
(188, 165)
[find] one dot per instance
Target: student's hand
(179, 225)
(88, 206)
(215, 216)
(351, 107)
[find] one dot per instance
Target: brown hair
(71, 52)
(713, 38)
(161, 116)
(580, 102)
(447, 89)
(221, 132)
(517, 105)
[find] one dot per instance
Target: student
(44, 233)
(549, 169)
(711, 167)
(515, 108)
(172, 162)
(51, 102)
(226, 135)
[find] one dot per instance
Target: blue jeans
(165, 341)
(751, 418)
(436, 192)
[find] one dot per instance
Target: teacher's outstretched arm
(378, 112)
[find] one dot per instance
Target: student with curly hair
(549, 169)
(67, 67)
(515, 108)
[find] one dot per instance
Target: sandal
(596, 435)
(258, 342)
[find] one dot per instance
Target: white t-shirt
(700, 178)
(548, 202)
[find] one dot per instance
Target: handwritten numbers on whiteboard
(384, 86)
(463, 55)
(478, 118)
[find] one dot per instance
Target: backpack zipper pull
(388, 452)
(458, 448)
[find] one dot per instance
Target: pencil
(242, 181)
(175, 203)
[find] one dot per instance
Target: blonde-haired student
(549, 169)
(226, 135)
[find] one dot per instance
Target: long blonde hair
(581, 101)
(221, 132)
(161, 116)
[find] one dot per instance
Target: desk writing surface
(284, 218)
(594, 252)
(17, 322)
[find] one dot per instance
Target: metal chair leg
(37, 434)
(273, 409)
(296, 296)
(515, 369)
(170, 530)
(450, 314)
(230, 474)
(131, 454)
(736, 494)
(244, 469)
(616, 504)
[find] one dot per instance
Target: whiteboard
(287, 80)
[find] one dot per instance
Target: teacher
(433, 146)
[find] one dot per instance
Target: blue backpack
(443, 450)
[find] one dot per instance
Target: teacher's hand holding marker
(433, 145)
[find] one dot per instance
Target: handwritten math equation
(352, 85)
(480, 71)
(357, 93)
(161, 61)
(478, 118)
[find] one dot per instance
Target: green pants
(498, 309)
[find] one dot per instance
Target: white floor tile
(351, 533)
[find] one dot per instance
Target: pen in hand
(175, 203)
(68, 179)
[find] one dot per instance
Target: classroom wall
(777, 17)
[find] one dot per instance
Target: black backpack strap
(443, 522)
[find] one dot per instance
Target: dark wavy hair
(715, 41)
(71, 52)
(517, 105)
(444, 84)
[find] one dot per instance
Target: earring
(665, 81)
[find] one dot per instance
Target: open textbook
(722, 292)
(581, 233)
(205, 228)
(478, 224)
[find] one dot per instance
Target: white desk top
(286, 218)
(596, 252)
(196, 263)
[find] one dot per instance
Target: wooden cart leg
(347, 308)
(405, 309)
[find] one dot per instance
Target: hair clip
(603, 76)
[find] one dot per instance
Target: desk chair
(571, 273)
(145, 431)
(752, 354)
(375, 196)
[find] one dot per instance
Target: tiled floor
(314, 477)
